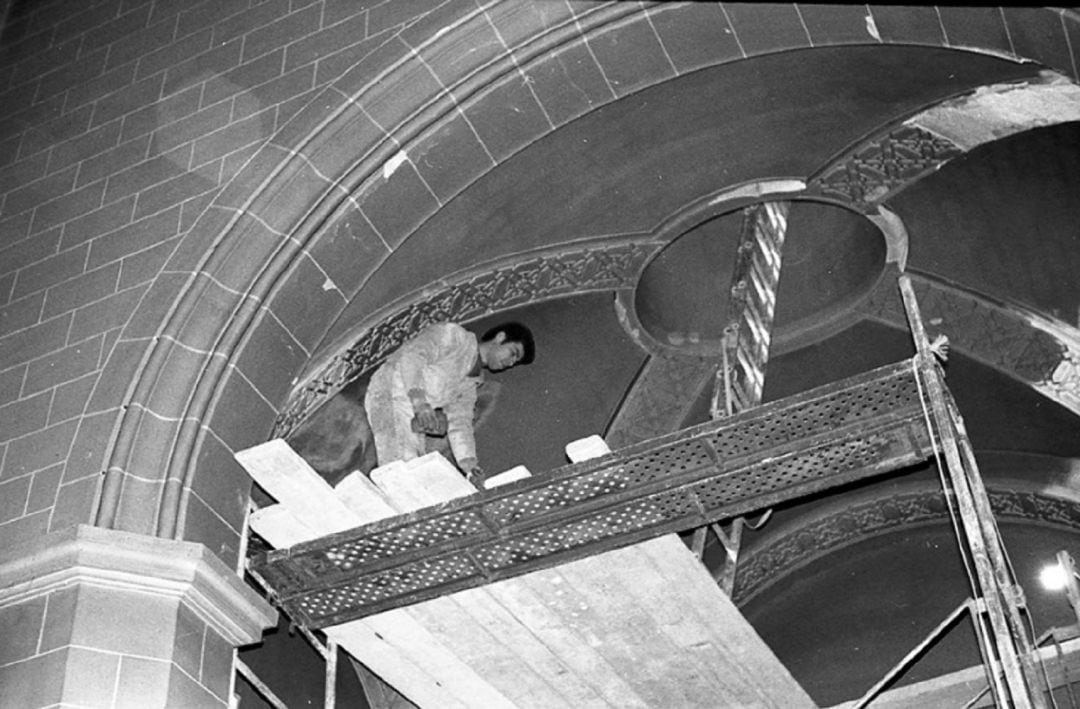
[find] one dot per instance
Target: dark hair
(515, 332)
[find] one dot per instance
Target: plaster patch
(394, 163)
(996, 111)
(896, 236)
(760, 189)
(871, 27)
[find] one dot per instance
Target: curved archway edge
(268, 265)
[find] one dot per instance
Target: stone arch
(267, 268)
(1022, 487)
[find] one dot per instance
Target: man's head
(505, 345)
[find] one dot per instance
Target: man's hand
(427, 420)
(472, 470)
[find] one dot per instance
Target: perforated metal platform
(853, 429)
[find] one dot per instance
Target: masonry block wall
(120, 121)
(193, 191)
(134, 134)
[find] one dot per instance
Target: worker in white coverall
(428, 386)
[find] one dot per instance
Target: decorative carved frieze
(996, 334)
(854, 523)
(470, 296)
(883, 166)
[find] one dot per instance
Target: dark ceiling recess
(879, 598)
(832, 257)
(1002, 220)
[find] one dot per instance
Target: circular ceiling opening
(832, 258)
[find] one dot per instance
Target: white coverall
(438, 361)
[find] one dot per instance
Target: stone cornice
(86, 555)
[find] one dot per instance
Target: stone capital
(188, 572)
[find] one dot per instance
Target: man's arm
(422, 351)
(460, 417)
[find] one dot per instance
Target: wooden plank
(394, 645)
(700, 595)
(405, 633)
(483, 649)
(523, 597)
(429, 480)
(378, 693)
(673, 609)
(528, 658)
(750, 658)
(364, 641)
(289, 479)
(421, 482)
(632, 623)
(690, 671)
(364, 498)
(644, 626)
(518, 472)
(399, 669)
(584, 598)
(618, 630)
(280, 527)
(586, 448)
(698, 668)
(959, 689)
(490, 613)
(695, 662)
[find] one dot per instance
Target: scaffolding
(745, 348)
(738, 464)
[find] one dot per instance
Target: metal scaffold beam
(748, 458)
(863, 426)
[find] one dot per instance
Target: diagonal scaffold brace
(1008, 651)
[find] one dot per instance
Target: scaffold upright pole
(980, 540)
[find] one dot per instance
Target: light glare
(1053, 577)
